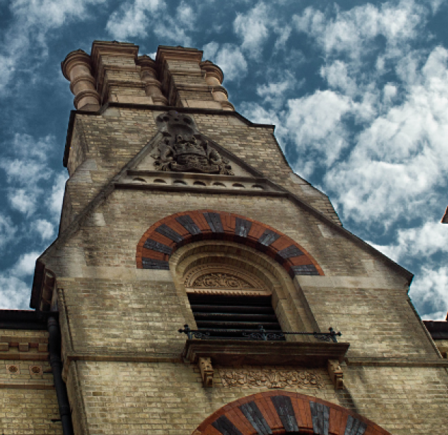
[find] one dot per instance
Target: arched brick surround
(172, 232)
(281, 412)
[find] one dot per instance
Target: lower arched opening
(282, 412)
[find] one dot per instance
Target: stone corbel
(336, 373)
(206, 368)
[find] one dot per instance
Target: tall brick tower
(180, 211)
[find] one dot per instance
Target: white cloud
(22, 201)
(25, 265)
(230, 59)
(133, 19)
(28, 31)
(26, 170)
(186, 15)
(7, 230)
(274, 92)
(50, 13)
(210, 50)
(14, 293)
(137, 18)
(422, 241)
(389, 93)
(252, 27)
(429, 292)
(284, 32)
(54, 201)
(338, 78)
(352, 32)
(314, 123)
(44, 228)
(401, 158)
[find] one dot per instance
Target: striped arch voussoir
(169, 234)
(276, 412)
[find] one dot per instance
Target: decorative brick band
(276, 412)
(164, 237)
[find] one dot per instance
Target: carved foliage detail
(221, 281)
(271, 378)
(228, 279)
(184, 149)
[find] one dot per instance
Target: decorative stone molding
(336, 374)
(163, 238)
(223, 279)
(24, 348)
(205, 366)
(279, 377)
(153, 87)
(78, 71)
(12, 369)
(36, 371)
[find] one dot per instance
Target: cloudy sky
(358, 91)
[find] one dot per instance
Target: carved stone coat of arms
(184, 149)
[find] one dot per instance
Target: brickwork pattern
(168, 398)
(29, 411)
(376, 322)
(28, 401)
(166, 236)
(110, 141)
(286, 412)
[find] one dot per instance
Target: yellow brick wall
(28, 402)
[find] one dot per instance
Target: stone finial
(77, 69)
(214, 77)
(153, 86)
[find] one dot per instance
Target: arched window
(234, 289)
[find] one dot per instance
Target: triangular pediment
(180, 156)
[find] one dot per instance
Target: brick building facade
(180, 211)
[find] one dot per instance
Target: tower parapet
(115, 73)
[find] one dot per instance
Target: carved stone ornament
(271, 378)
(184, 149)
(225, 279)
(206, 368)
(221, 280)
(336, 374)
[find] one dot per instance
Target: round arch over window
(167, 235)
(282, 412)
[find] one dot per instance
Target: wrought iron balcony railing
(260, 334)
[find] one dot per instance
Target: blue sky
(358, 92)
